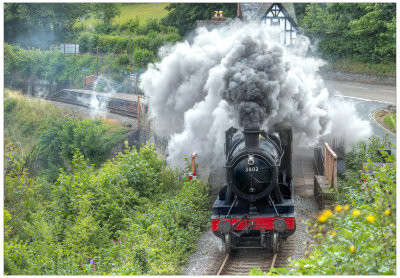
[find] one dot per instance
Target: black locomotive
(255, 207)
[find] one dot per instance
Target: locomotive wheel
(228, 243)
(275, 243)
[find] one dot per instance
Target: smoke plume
(240, 76)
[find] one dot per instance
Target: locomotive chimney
(251, 138)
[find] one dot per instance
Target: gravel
(207, 252)
(305, 209)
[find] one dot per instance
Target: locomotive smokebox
(252, 138)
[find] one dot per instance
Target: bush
(52, 139)
(142, 57)
(390, 120)
(59, 138)
(87, 41)
(361, 32)
(357, 237)
(130, 26)
(52, 66)
(105, 28)
(114, 220)
(151, 25)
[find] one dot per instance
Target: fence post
(330, 167)
(192, 169)
(138, 105)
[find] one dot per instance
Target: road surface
(362, 91)
(367, 98)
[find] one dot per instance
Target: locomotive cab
(256, 201)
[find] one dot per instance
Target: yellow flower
(356, 212)
(370, 218)
(352, 249)
(387, 212)
(338, 208)
(333, 233)
(327, 213)
(322, 218)
(346, 207)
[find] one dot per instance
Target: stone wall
(344, 76)
(323, 193)
(35, 87)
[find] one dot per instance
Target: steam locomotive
(255, 206)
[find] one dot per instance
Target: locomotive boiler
(255, 206)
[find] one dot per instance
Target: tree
(107, 11)
(183, 16)
(38, 25)
(376, 31)
(364, 31)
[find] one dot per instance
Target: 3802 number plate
(251, 169)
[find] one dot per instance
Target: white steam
(241, 76)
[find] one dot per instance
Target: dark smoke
(251, 82)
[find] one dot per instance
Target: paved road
(367, 98)
(363, 91)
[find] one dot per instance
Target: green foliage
(390, 120)
(53, 66)
(362, 32)
(59, 138)
(349, 184)
(19, 187)
(183, 16)
(51, 140)
(106, 11)
(40, 24)
(114, 220)
(129, 26)
(359, 236)
(47, 65)
(150, 36)
(87, 41)
(351, 66)
(141, 44)
(104, 28)
(142, 57)
(140, 12)
(255, 271)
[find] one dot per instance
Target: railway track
(241, 261)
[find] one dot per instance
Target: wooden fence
(89, 80)
(330, 166)
(141, 113)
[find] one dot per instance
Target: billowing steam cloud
(253, 74)
(240, 76)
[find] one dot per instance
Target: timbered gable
(277, 15)
(281, 15)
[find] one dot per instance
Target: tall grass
(390, 120)
(143, 11)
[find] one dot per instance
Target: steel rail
(274, 260)
(223, 264)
